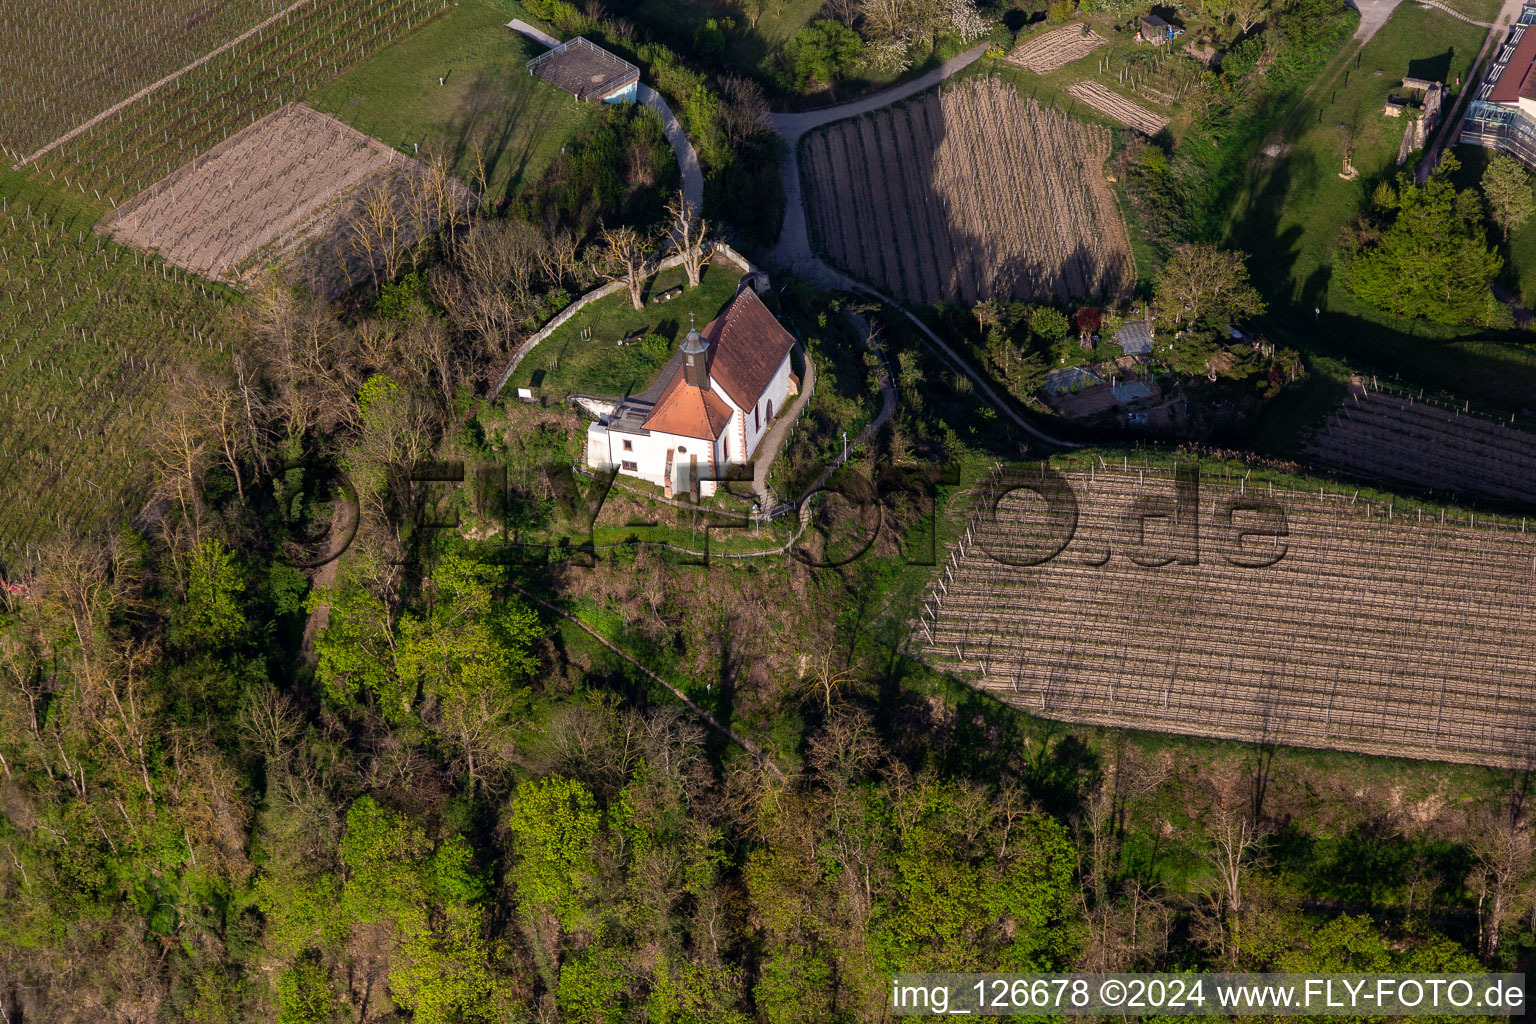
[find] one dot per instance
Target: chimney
(695, 358)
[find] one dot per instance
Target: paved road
(794, 246)
(687, 159)
(768, 447)
(1373, 15)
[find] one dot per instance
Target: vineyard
(1399, 436)
(1113, 105)
(1375, 631)
(93, 337)
(129, 146)
(969, 194)
(281, 180)
(67, 60)
(1055, 49)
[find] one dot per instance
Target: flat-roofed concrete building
(588, 72)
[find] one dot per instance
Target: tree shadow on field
(506, 124)
(1432, 69)
(970, 193)
(1259, 230)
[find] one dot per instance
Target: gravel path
(687, 159)
(768, 447)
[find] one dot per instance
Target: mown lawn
(487, 98)
(1296, 205)
(566, 362)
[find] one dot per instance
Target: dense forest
(360, 719)
(238, 786)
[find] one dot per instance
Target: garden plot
(1055, 49)
(969, 194)
(265, 190)
(1113, 105)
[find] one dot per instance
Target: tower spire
(695, 350)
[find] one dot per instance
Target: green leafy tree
(1049, 325)
(212, 615)
(355, 653)
(1205, 284)
(591, 986)
(1507, 187)
(957, 904)
(305, 994)
(554, 824)
(1432, 261)
(822, 51)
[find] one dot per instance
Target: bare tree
(1235, 841)
(689, 238)
(845, 11)
(376, 233)
(559, 260)
(225, 411)
(1248, 13)
(625, 255)
(179, 447)
(1502, 852)
(744, 112)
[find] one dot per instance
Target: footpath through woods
(739, 740)
(687, 158)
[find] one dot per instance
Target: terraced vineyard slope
(969, 194)
(1370, 631)
(140, 142)
(1381, 432)
(67, 60)
(96, 337)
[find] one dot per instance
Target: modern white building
(709, 408)
(1502, 114)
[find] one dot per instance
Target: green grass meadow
(566, 362)
(1292, 213)
(1296, 205)
(487, 97)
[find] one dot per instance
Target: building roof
(1131, 392)
(688, 411)
(1135, 338)
(746, 347)
(583, 69)
(1063, 378)
(1517, 78)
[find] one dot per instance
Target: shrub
(1048, 324)
(823, 50)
